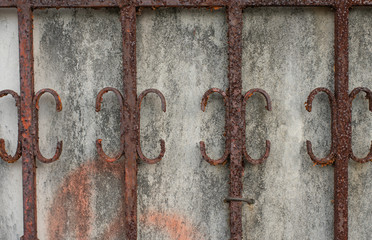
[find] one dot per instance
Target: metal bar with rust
(25, 21)
(128, 26)
(235, 124)
(361, 2)
(8, 3)
(343, 121)
(182, 3)
(179, 3)
(75, 3)
(287, 3)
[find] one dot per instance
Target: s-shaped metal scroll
(120, 98)
(11, 159)
(331, 156)
(352, 95)
(235, 150)
(28, 148)
(248, 158)
(268, 107)
(3, 154)
(36, 119)
(341, 148)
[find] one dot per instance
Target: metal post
(343, 121)
(27, 127)
(235, 124)
(128, 26)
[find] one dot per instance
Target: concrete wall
(11, 219)
(183, 52)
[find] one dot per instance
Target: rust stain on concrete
(71, 211)
(178, 227)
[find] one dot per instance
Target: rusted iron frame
(178, 3)
(27, 104)
(341, 106)
(343, 121)
(8, 3)
(235, 124)
(25, 21)
(361, 2)
(235, 121)
(27, 90)
(130, 121)
(128, 25)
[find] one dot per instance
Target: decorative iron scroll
(100, 151)
(3, 154)
(341, 103)
(330, 159)
(225, 156)
(35, 150)
(236, 198)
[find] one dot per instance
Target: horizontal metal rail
(181, 3)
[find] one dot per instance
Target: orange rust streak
(71, 210)
(177, 226)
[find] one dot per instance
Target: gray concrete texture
(183, 52)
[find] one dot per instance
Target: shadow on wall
(72, 214)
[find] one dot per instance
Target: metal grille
(235, 101)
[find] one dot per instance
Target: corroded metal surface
(204, 103)
(268, 144)
(28, 105)
(3, 153)
(8, 3)
(162, 142)
(120, 98)
(75, 3)
(36, 124)
(341, 106)
(130, 107)
(235, 104)
(235, 125)
(361, 2)
(177, 3)
(181, 3)
(309, 104)
(340, 101)
(278, 3)
(343, 121)
(128, 25)
(27, 128)
(352, 95)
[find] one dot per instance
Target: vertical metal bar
(128, 25)
(27, 126)
(343, 121)
(235, 21)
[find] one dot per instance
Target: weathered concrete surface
(183, 53)
(11, 224)
(77, 53)
(288, 52)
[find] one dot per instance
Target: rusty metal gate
(235, 101)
